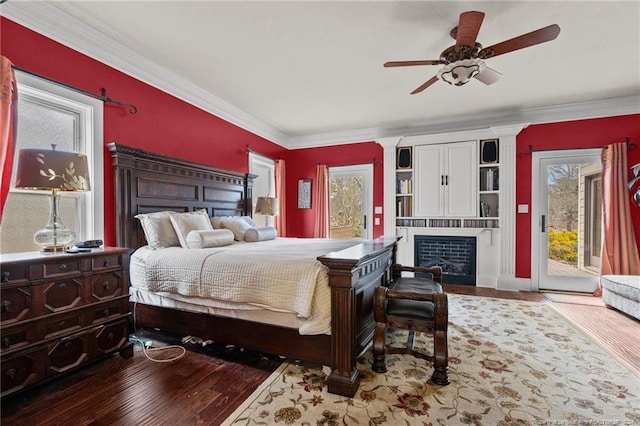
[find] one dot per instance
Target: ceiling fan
(465, 60)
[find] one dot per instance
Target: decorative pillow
(216, 221)
(236, 225)
(183, 223)
(158, 229)
(211, 238)
(260, 234)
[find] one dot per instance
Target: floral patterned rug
(510, 363)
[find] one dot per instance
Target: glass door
(350, 201)
(569, 220)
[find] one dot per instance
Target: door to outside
(350, 201)
(567, 220)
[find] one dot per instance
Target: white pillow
(183, 223)
(216, 221)
(158, 229)
(260, 234)
(236, 225)
(212, 238)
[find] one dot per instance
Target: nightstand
(60, 311)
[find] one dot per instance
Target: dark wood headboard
(146, 182)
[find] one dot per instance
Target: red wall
(170, 126)
(594, 133)
(302, 164)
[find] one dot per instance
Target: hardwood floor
(205, 389)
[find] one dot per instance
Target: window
(49, 113)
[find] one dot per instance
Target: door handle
(365, 222)
(543, 224)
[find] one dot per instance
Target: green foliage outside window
(563, 245)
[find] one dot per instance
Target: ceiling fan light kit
(464, 60)
(461, 72)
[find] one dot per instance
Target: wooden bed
(147, 182)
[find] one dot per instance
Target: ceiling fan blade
(412, 63)
(530, 39)
(488, 76)
(468, 28)
(425, 85)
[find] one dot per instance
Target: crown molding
(48, 20)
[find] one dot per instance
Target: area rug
(510, 363)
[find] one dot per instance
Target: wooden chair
(418, 304)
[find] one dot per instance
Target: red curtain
(321, 196)
(281, 218)
(619, 249)
(8, 116)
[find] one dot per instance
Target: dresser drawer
(14, 337)
(112, 337)
(16, 304)
(66, 266)
(106, 261)
(14, 273)
(61, 295)
(106, 286)
(62, 324)
(110, 311)
(68, 353)
(22, 370)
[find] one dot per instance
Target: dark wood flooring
(206, 389)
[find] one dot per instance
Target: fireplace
(456, 255)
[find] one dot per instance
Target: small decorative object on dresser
(59, 312)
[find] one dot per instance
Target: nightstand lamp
(54, 171)
(267, 206)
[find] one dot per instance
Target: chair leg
(380, 337)
(440, 349)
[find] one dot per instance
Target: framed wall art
(304, 193)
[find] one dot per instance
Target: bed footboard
(354, 274)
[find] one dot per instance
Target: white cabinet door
(428, 169)
(446, 180)
(462, 177)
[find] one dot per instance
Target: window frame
(89, 141)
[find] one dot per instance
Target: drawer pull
(105, 285)
(62, 267)
(5, 276)
(110, 337)
(6, 342)
(106, 313)
(67, 345)
(10, 374)
(62, 285)
(105, 263)
(6, 306)
(63, 323)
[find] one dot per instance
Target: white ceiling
(304, 73)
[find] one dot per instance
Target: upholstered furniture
(622, 292)
(418, 304)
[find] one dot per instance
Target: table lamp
(55, 171)
(267, 206)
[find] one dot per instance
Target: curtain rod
(373, 161)
(630, 146)
(103, 96)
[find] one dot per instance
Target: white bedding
(279, 275)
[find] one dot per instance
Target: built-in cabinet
(448, 185)
(445, 180)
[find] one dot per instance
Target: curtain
(8, 117)
(619, 250)
(322, 202)
(281, 218)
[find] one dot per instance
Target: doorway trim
(536, 237)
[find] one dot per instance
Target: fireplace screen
(455, 255)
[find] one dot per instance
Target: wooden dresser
(59, 312)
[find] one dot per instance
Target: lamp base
(55, 236)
